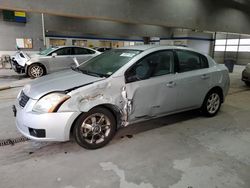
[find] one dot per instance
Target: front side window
(189, 61)
(47, 51)
(155, 64)
(108, 63)
(63, 51)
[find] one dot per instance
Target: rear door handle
(171, 84)
(204, 76)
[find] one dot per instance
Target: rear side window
(204, 62)
(189, 61)
(82, 51)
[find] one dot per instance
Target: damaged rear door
(150, 85)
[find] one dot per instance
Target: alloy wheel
(36, 71)
(95, 128)
(213, 103)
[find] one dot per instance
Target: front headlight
(50, 103)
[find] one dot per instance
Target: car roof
(101, 47)
(149, 47)
(71, 46)
(57, 47)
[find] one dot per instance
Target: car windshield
(107, 63)
(47, 51)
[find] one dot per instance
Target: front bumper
(17, 68)
(245, 76)
(44, 127)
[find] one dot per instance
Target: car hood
(35, 56)
(60, 81)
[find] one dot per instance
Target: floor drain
(12, 141)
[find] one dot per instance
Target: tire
(247, 83)
(36, 71)
(94, 129)
(212, 103)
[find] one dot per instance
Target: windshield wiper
(93, 73)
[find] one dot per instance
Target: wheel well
(219, 90)
(115, 111)
(44, 68)
(112, 108)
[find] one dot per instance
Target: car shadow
(40, 149)
(14, 77)
(169, 120)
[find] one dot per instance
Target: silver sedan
(50, 60)
(118, 88)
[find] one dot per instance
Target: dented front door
(152, 97)
(150, 85)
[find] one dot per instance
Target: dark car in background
(101, 49)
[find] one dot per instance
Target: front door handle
(171, 84)
(204, 76)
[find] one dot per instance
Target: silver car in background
(117, 88)
(50, 60)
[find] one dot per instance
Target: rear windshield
(108, 62)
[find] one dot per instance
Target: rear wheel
(35, 71)
(247, 83)
(212, 103)
(95, 128)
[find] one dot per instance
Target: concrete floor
(179, 151)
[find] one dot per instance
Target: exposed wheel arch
(95, 128)
(112, 108)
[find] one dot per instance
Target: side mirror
(54, 54)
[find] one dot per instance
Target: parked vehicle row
(117, 88)
(50, 60)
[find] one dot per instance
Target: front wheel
(35, 71)
(95, 128)
(212, 104)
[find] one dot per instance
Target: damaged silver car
(50, 60)
(117, 88)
